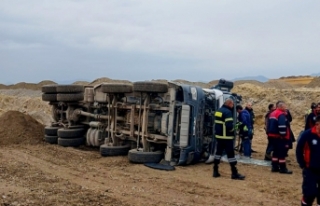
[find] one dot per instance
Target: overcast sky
(168, 39)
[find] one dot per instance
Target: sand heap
(314, 83)
(19, 128)
(106, 80)
(278, 84)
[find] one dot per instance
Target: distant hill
(259, 78)
(315, 74)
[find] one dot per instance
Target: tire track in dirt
(136, 184)
(127, 191)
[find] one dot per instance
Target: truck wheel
(70, 97)
(138, 156)
(148, 86)
(51, 131)
(107, 150)
(76, 142)
(52, 88)
(49, 97)
(116, 88)
(70, 88)
(71, 133)
(51, 139)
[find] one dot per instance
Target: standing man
(311, 110)
(279, 134)
(245, 130)
(308, 157)
(269, 149)
(224, 130)
(310, 121)
(252, 116)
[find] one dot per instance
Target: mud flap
(160, 166)
(248, 161)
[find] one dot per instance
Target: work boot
(238, 176)
(275, 169)
(216, 171)
(267, 157)
(235, 175)
(285, 171)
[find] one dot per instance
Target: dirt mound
(24, 85)
(254, 82)
(200, 84)
(213, 83)
(278, 84)
(293, 77)
(314, 83)
(107, 80)
(84, 83)
(19, 128)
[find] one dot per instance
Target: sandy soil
(46, 174)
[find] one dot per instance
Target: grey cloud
(197, 41)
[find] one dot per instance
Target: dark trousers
(227, 145)
(279, 152)
(269, 147)
(310, 187)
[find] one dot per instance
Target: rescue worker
(279, 134)
(307, 154)
(252, 115)
(269, 149)
(245, 130)
(310, 121)
(309, 111)
(224, 133)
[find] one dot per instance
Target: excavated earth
(33, 172)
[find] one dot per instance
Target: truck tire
(51, 139)
(70, 88)
(70, 97)
(116, 88)
(51, 89)
(71, 133)
(106, 150)
(138, 156)
(49, 97)
(148, 86)
(51, 131)
(76, 142)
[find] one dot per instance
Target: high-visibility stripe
(228, 119)
(232, 160)
(224, 137)
(282, 126)
(218, 114)
(219, 121)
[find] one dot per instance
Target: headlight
(194, 93)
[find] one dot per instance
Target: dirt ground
(36, 173)
(46, 174)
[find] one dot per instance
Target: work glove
(238, 124)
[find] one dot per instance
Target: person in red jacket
(310, 121)
(279, 135)
(308, 158)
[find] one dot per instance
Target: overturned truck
(148, 121)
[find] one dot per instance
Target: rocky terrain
(35, 173)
